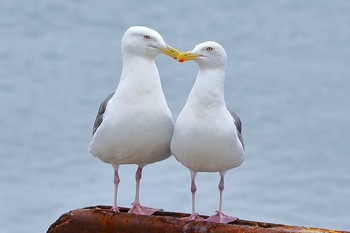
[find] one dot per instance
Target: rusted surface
(100, 219)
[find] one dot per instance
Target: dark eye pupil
(209, 49)
(146, 37)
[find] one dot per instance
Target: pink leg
(136, 206)
(220, 216)
(194, 215)
(116, 182)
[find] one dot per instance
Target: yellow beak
(186, 56)
(170, 51)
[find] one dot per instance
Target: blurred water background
(288, 78)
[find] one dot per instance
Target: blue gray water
(288, 79)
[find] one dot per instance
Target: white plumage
(134, 125)
(207, 137)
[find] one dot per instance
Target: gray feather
(101, 111)
(238, 124)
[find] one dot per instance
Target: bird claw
(142, 210)
(115, 209)
(192, 217)
(220, 217)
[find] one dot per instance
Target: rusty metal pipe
(101, 219)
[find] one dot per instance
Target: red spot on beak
(181, 60)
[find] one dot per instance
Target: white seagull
(134, 124)
(207, 137)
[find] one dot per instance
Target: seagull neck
(141, 68)
(209, 87)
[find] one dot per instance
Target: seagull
(207, 136)
(134, 124)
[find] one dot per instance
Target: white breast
(137, 126)
(207, 142)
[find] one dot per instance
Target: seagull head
(209, 54)
(143, 41)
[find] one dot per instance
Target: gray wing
(238, 124)
(101, 111)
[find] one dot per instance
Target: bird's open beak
(170, 51)
(186, 56)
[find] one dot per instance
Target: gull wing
(101, 111)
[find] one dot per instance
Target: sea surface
(288, 78)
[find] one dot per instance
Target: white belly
(133, 137)
(207, 146)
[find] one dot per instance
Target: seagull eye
(209, 49)
(147, 37)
